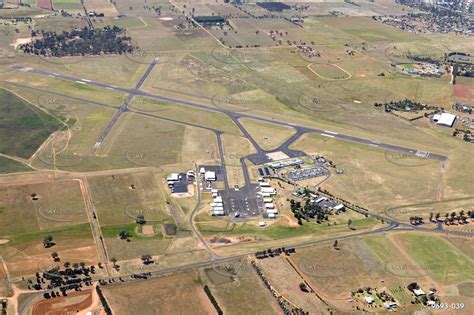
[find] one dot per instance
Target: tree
(349, 223)
(147, 259)
(336, 245)
(303, 287)
(55, 256)
(124, 235)
(48, 241)
(141, 219)
(114, 261)
(412, 286)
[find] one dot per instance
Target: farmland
(30, 126)
(162, 295)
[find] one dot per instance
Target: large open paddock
(161, 295)
(390, 262)
(120, 201)
(238, 289)
(59, 211)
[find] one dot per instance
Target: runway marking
(86, 80)
(80, 82)
(374, 145)
(326, 135)
(331, 132)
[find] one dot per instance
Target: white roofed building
(210, 176)
(445, 119)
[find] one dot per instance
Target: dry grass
(178, 294)
(268, 136)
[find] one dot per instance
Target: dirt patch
(464, 91)
(21, 41)
(4, 242)
(223, 241)
(148, 230)
(44, 4)
(61, 305)
(291, 221)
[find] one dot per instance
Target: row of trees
(452, 217)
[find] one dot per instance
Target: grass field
(59, 204)
(377, 179)
(24, 127)
(59, 212)
(378, 261)
(162, 295)
(268, 136)
(68, 5)
(118, 206)
(235, 148)
(102, 6)
(241, 291)
(11, 166)
(448, 265)
(286, 281)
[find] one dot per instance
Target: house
(269, 190)
(418, 292)
(390, 305)
(264, 184)
(172, 178)
(262, 224)
(339, 207)
(274, 211)
(218, 199)
(217, 212)
(267, 200)
(369, 299)
(272, 215)
(269, 206)
(210, 176)
(320, 199)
